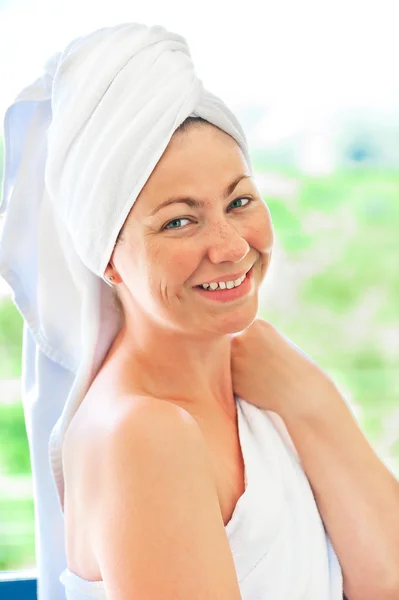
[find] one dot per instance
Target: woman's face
(167, 250)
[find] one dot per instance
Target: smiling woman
(167, 484)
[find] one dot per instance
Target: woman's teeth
(222, 285)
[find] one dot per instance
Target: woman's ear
(111, 274)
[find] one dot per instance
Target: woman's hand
(273, 374)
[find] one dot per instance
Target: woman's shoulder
(104, 430)
(107, 413)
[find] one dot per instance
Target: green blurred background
(334, 292)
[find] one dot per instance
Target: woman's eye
(239, 199)
(175, 221)
(185, 218)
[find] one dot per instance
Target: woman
(174, 471)
(169, 368)
(173, 538)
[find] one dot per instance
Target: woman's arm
(357, 496)
(155, 524)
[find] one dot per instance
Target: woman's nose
(226, 243)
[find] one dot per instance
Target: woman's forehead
(199, 161)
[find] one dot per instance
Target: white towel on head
(80, 144)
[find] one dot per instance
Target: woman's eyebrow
(193, 202)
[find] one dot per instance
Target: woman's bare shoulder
(132, 424)
(145, 418)
(103, 419)
(108, 433)
(155, 476)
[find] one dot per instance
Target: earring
(111, 278)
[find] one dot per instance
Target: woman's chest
(229, 472)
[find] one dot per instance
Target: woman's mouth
(226, 294)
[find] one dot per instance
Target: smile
(233, 290)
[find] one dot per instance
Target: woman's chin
(235, 321)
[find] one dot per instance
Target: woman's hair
(189, 122)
